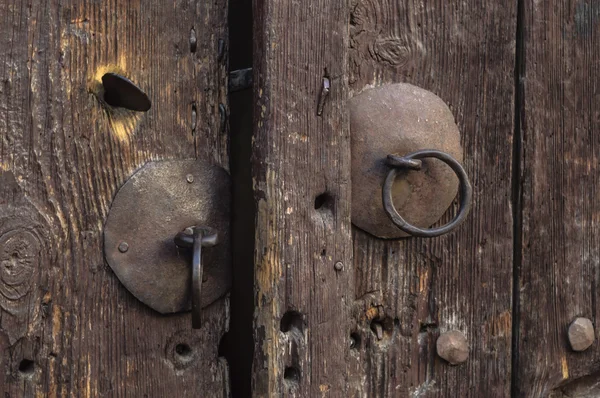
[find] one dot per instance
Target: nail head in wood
(453, 347)
(581, 334)
(123, 247)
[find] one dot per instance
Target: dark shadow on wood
(238, 345)
(517, 192)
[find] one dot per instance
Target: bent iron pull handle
(196, 238)
(412, 161)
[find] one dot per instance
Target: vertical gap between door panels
(237, 345)
(517, 190)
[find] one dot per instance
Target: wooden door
(67, 325)
(521, 79)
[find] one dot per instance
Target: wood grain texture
(560, 269)
(301, 173)
(413, 289)
(67, 326)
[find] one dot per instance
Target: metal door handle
(415, 124)
(196, 238)
(412, 161)
(154, 204)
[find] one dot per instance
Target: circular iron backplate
(399, 119)
(157, 202)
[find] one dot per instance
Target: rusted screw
(377, 328)
(123, 247)
(375, 313)
(581, 334)
(189, 178)
(453, 347)
(339, 266)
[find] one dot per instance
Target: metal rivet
(123, 247)
(339, 266)
(189, 178)
(581, 334)
(453, 347)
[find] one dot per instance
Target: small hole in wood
(223, 345)
(324, 202)
(355, 341)
(183, 350)
(292, 374)
(121, 92)
(26, 367)
(291, 320)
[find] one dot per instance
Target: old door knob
(418, 130)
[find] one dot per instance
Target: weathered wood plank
(416, 288)
(67, 326)
(559, 274)
(302, 190)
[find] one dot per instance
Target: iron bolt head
(453, 347)
(123, 247)
(189, 178)
(339, 266)
(581, 334)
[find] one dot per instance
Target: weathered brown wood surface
(67, 326)
(559, 275)
(465, 53)
(302, 189)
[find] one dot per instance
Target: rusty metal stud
(581, 334)
(453, 347)
(123, 247)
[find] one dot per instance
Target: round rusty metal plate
(400, 119)
(156, 203)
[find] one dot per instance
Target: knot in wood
(19, 257)
(453, 347)
(391, 50)
(581, 334)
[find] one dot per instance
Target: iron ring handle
(197, 238)
(412, 161)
